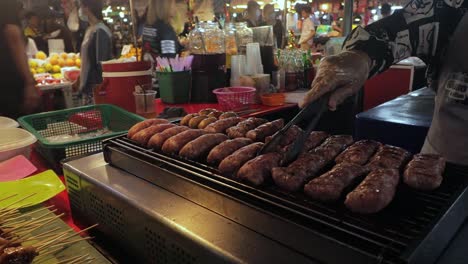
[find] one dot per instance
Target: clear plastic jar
(230, 39)
(244, 36)
(207, 38)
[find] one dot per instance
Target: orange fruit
(70, 62)
(41, 55)
(78, 63)
(61, 62)
(54, 60)
(64, 55)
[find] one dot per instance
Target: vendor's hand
(31, 100)
(343, 75)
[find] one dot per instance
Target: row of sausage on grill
(232, 144)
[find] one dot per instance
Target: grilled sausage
(389, 157)
(218, 153)
(205, 122)
(333, 146)
(144, 135)
(329, 186)
(215, 113)
(424, 172)
(233, 162)
(220, 126)
(228, 115)
(186, 120)
(144, 124)
(195, 121)
(359, 153)
(314, 139)
(207, 111)
(265, 130)
(245, 126)
(174, 144)
(293, 177)
(288, 138)
(375, 192)
(257, 170)
(200, 146)
(157, 141)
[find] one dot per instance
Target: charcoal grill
(415, 228)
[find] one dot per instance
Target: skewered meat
(257, 170)
(218, 153)
(205, 122)
(389, 157)
(265, 130)
(144, 124)
(4, 243)
(233, 162)
(18, 255)
(288, 138)
(331, 185)
(314, 140)
(207, 111)
(359, 153)
(174, 144)
(245, 126)
(195, 121)
(375, 192)
(158, 140)
(424, 172)
(144, 135)
(186, 119)
(228, 115)
(220, 126)
(333, 146)
(293, 177)
(200, 146)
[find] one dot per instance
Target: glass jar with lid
(207, 38)
(244, 36)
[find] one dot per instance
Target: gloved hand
(343, 75)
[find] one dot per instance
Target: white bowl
(14, 142)
(6, 122)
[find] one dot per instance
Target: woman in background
(95, 48)
(19, 94)
(159, 37)
(307, 30)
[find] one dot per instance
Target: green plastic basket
(76, 121)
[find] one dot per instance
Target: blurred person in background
(19, 95)
(385, 10)
(269, 19)
(33, 30)
(307, 28)
(253, 14)
(337, 24)
(95, 48)
(159, 37)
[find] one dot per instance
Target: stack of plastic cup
(238, 68)
(254, 60)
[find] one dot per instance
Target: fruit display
(133, 52)
(52, 69)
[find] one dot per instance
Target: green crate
(76, 121)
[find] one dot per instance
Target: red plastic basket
(232, 98)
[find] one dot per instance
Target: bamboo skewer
(8, 197)
(20, 200)
(73, 259)
(30, 213)
(71, 242)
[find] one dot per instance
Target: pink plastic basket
(232, 98)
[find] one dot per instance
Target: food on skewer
(156, 141)
(375, 192)
(195, 121)
(207, 111)
(200, 146)
(18, 255)
(330, 185)
(228, 115)
(245, 126)
(233, 162)
(265, 130)
(144, 124)
(389, 157)
(293, 133)
(258, 170)
(205, 122)
(226, 148)
(424, 172)
(314, 140)
(174, 144)
(221, 126)
(333, 146)
(359, 153)
(293, 177)
(145, 135)
(186, 119)
(215, 113)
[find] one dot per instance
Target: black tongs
(311, 114)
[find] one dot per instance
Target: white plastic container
(15, 141)
(6, 122)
